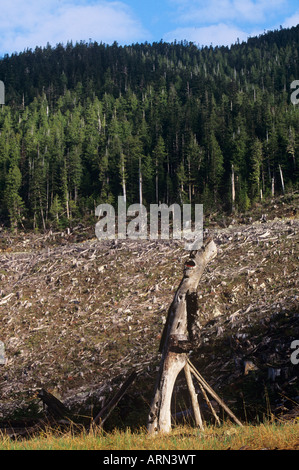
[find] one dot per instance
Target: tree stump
(176, 340)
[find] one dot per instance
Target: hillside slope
(78, 315)
(84, 124)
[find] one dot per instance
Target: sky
(29, 23)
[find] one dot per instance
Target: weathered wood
(281, 178)
(204, 394)
(102, 416)
(207, 387)
(193, 326)
(55, 407)
(193, 396)
(175, 333)
(176, 323)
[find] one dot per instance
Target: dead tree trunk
(233, 189)
(281, 178)
(175, 339)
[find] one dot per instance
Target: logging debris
(78, 315)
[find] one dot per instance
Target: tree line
(173, 123)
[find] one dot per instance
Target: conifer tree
(12, 198)
(159, 158)
(157, 123)
(256, 157)
(215, 166)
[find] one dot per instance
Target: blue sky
(30, 23)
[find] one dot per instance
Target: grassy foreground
(264, 436)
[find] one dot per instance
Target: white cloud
(217, 35)
(216, 11)
(34, 23)
(292, 20)
(222, 22)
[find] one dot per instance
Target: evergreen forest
(157, 123)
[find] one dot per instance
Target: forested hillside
(85, 123)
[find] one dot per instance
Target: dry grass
(227, 437)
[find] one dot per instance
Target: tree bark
(175, 339)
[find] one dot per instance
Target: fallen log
(55, 407)
(102, 416)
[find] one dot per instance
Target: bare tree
(175, 340)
